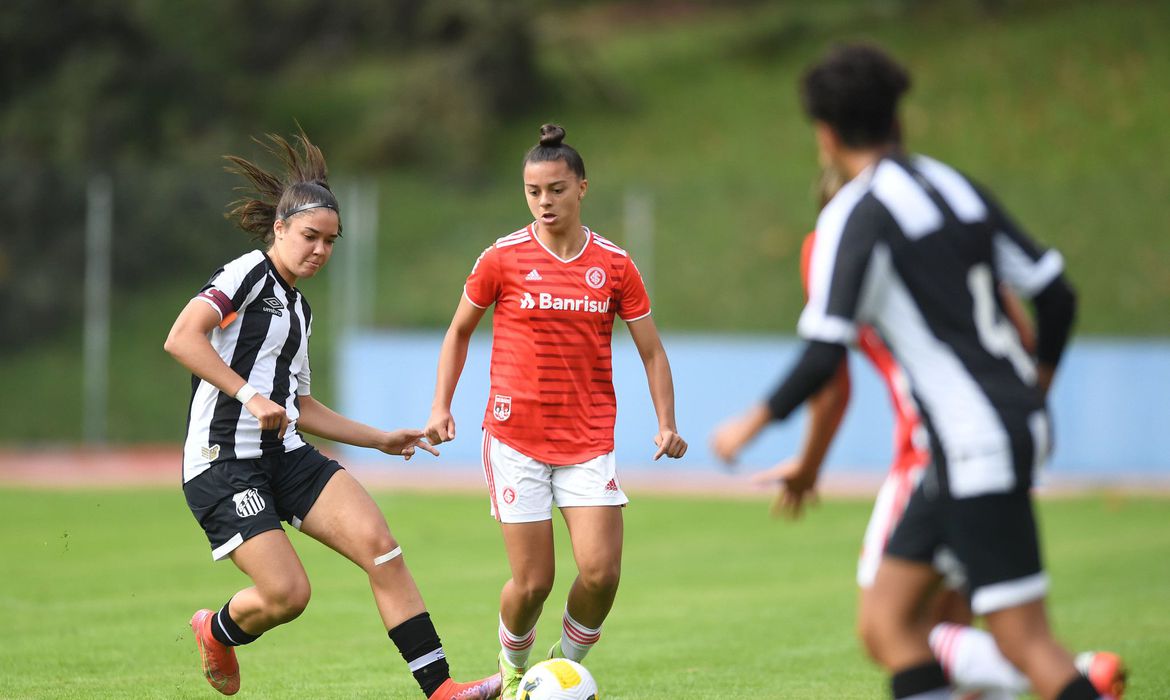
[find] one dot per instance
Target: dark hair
(553, 147)
(855, 89)
(269, 197)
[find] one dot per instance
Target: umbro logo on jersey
(544, 300)
(248, 503)
(533, 276)
(273, 305)
(210, 453)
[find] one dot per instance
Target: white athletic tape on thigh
(393, 553)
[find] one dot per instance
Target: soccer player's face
(304, 243)
(554, 194)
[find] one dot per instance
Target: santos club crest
(502, 407)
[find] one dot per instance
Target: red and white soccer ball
(557, 679)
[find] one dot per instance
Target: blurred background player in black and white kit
(914, 250)
(246, 467)
(968, 654)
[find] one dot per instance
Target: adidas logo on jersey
(612, 486)
(547, 301)
(533, 276)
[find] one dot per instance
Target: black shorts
(238, 499)
(993, 537)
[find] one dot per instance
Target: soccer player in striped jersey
(548, 428)
(246, 467)
(912, 248)
(968, 654)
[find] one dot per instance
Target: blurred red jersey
(910, 449)
(552, 394)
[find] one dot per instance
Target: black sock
(419, 644)
(226, 631)
(1079, 689)
(918, 680)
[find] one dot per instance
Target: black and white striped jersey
(915, 250)
(264, 337)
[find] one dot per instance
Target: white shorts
(888, 509)
(524, 490)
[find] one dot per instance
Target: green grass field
(717, 600)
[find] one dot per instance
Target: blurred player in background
(968, 654)
(245, 338)
(913, 249)
(548, 428)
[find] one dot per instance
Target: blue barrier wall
(1112, 415)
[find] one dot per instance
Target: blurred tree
(114, 86)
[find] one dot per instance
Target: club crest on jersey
(509, 495)
(502, 408)
(595, 277)
(210, 453)
(273, 306)
(248, 503)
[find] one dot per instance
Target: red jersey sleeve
(483, 284)
(634, 303)
(806, 250)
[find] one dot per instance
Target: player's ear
(828, 143)
(584, 186)
(278, 228)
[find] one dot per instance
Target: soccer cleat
(1104, 670)
(554, 652)
(510, 677)
(483, 689)
(219, 661)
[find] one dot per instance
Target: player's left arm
(658, 376)
(320, 420)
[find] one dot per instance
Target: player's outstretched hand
(734, 434)
(405, 442)
(670, 444)
(440, 428)
(271, 415)
(797, 487)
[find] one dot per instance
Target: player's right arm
(188, 343)
(798, 475)
(453, 355)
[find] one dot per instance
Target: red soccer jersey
(552, 392)
(908, 432)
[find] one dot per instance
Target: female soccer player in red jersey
(548, 428)
(245, 338)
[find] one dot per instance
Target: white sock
(972, 660)
(516, 648)
(576, 638)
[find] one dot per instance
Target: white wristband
(246, 392)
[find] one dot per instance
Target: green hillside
(1056, 106)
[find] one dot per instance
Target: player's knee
(286, 601)
(534, 589)
(601, 578)
(869, 634)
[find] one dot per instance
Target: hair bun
(551, 135)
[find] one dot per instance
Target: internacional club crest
(502, 408)
(595, 277)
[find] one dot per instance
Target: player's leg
(345, 518)
(596, 533)
(591, 500)
(520, 493)
(237, 509)
(996, 538)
